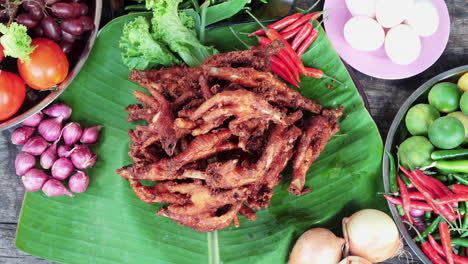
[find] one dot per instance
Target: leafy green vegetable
(219, 12)
(140, 51)
(15, 41)
(169, 29)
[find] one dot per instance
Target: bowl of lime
(429, 138)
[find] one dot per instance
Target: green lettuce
(15, 41)
(140, 51)
(169, 28)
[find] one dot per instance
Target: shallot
(71, 133)
(24, 162)
(82, 157)
(62, 168)
(54, 188)
(48, 157)
(34, 179)
(51, 128)
(78, 182)
(59, 110)
(35, 146)
(21, 135)
(317, 246)
(34, 120)
(371, 234)
(64, 151)
(416, 213)
(90, 134)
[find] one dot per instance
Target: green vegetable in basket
(464, 103)
(419, 118)
(445, 96)
(447, 132)
(415, 152)
(464, 120)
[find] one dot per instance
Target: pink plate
(376, 63)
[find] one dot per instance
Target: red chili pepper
(445, 240)
(314, 73)
(289, 35)
(307, 42)
(431, 253)
(279, 24)
(305, 19)
(444, 189)
(273, 35)
(284, 58)
(458, 188)
(303, 33)
(416, 196)
(279, 68)
(405, 199)
(453, 198)
(457, 259)
(414, 204)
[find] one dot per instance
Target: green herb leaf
(224, 10)
(16, 41)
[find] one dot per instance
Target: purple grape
(27, 20)
(63, 10)
(66, 46)
(67, 37)
(83, 9)
(73, 26)
(37, 31)
(88, 23)
(51, 28)
(36, 13)
(77, 9)
(28, 5)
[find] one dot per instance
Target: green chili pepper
(447, 154)
(430, 229)
(400, 210)
(465, 221)
(140, 7)
(428, 215)
(460, 242)
(461, 179)
(405, 179)
(452, 165)
(392, 173)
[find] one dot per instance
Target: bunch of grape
(60, 21)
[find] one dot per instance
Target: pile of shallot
(62, 149)
(370, 236)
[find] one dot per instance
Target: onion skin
(354, 260)
(317, 246)
(371, 234)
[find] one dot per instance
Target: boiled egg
(402, 44)
(361, 7)
(364, 33)
(423, 17)
(390, 13)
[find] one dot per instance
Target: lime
(464, 119)
(415, 152)
(446, 132)
(464, 103)
(463, 82)
(419, 118)
(445, 97)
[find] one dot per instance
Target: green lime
(419, 118)
(464, 103)
(445, 97)
(464, 119)
(446, 132)
(415, 152)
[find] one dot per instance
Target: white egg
(364, 33)
(423, 17)
(361, 7)
(390, 13)
(402, 44)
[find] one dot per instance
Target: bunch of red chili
(298, 29)
(444, 207)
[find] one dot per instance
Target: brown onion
(317, 246)
(371, 234)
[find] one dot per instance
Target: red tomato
(1, 53)
(48, 65)
(12, 93)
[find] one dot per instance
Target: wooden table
(385, 98)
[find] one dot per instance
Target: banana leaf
(108, 224)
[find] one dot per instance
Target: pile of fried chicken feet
(218, 137)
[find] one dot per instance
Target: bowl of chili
(429, 249)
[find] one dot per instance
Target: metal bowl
(37, 101)
(398, 133)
